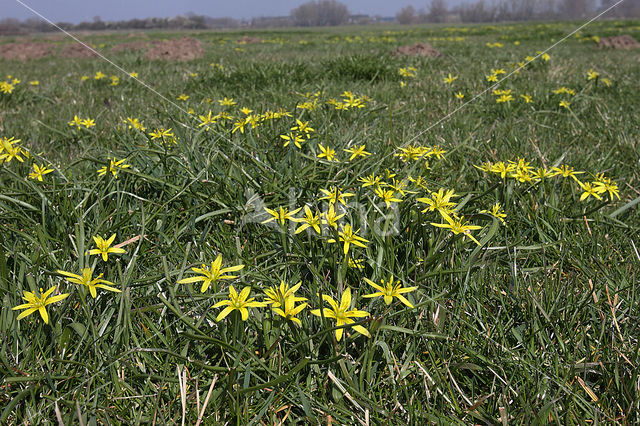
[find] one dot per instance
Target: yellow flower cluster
(284, 301)
(523, 172)
(85, 279)
(79, 123)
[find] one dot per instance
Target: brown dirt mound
(620, 42)
(76, 50)
(417, 49)
(25, 50)
(184, 49)
(249, 39)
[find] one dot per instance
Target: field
(463, 229)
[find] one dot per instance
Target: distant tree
(576, 8)
(437, 11)
(406, 15)
(10, 26)
(476, 12)
(626, 9)
(320, 13)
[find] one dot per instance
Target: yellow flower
(328, 153)
(460, 95)
(167, 135)
(590, 190)
(88, 122)
(371, 180)
(211, 274)
(389, 290)
(99, 75)
(357, 151)
(75, 122)
(348, 236)
(238, 302)
(564, 104)
(39, 171)
(435, 151)
(88, 281)
(296, 138)
(458, 226)
(566, 171)
(281, 215)
(289, 310)
(592, 74)
(342, 314)
(134, 123)
(450, 79)
(496, 211)
(114, 167)
(334, 195)
(9, 150)
(6, 87)
(387, 196)
(34, 83)
(207, 120)
(38, 303)
(303, 127)
(439, 201)
(502, 169)
(331, 217)
(133, 74)
(527, 98)
(276, 296)
(308, 221)
(541, 174)
(407, 72)
(419, 182)
(246, 111)
(104, 247)
(492, 78)
(239, 125)
(182, 97)
(604, 184)
(358, 264)
(227, 102)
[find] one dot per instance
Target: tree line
(316, 13)
(516, 10)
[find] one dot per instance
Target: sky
(110, 10)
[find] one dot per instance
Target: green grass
(519, 329)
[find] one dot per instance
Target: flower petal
(43, 314)
(360, 329)
(226, 311)
(27, 313)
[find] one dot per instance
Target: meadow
(301, 227)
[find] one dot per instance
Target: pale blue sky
(84, 10)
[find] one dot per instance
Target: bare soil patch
(76, 50)
(417, 49)
(25, 50)
(183, 49)
(619, 42)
